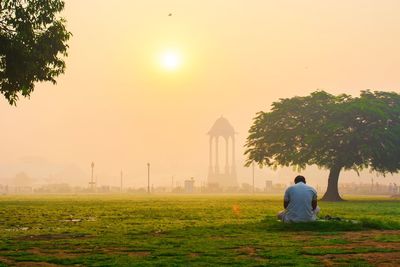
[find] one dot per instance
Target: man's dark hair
(299, 178)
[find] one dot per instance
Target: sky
(118, 107)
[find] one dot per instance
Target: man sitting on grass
(300, 202)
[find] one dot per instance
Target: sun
(171, 60)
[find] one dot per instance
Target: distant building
(189, 186)
(3, 189)
(225, 177)
(268, 185)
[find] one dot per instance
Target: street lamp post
(92, 183)
(148, 178)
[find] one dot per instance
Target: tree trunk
(332, 192)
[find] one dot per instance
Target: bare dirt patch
(250, 251)
(302, 236)
(124, 251)
(158, 233)
(369, 234)
(363, 239)
(34, 264)
(139, 253)
(26, 263)
(362, 244)
(367, 239)
(194, 255)
(53, 237)
(387, 259)
(54, 253)
(357, 235)
(6, 260)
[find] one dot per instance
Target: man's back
(300, 197)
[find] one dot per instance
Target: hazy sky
(117, 107)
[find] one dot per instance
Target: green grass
(163, 230)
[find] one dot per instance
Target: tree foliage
(332, 132)
(33, 42)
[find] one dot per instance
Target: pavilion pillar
(233, 164)
(216, 155)
(226, 155)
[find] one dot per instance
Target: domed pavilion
(224, 177)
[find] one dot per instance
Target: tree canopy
(332, 132)
(33, 42)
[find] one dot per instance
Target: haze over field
(146, 80)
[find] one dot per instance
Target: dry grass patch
(61, 254)
(35, 264)
(46, 237)
(362, 240)
(247, 250)
(387, 259)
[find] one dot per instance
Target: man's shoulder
(303, 186)
(312, 188)
(299, 186)
(290, 188)
(307, 185)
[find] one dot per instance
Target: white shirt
(300, 209)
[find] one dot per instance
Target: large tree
(333, 132)
(33, 42)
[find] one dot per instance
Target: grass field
(125, 230)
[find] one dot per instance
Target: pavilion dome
(221, 127)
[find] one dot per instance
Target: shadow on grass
(331, 226)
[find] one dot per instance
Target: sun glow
(171, 60)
